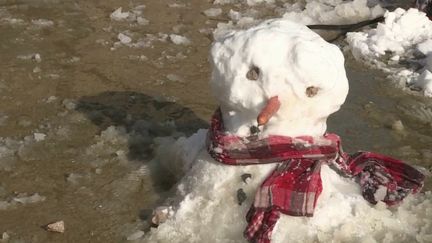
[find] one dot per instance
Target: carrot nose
(272, 106)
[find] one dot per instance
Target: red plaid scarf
(295, 185)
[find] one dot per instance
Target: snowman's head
(278, 58)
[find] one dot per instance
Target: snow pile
(405, 35)
(308, 12)
(332, 12)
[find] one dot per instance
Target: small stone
(136, 235)
(241, 196)
(254, 130)
(246, 177)
(58, 227)
(397, 126)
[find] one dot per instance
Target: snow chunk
(142, 21)
(179, 40)
(39, 136)
(213, 12)
(124, 39)
(174, 78)
(118, 15)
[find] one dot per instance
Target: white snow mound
(405, 34)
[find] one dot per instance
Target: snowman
(268, 171)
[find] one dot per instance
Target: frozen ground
(82, 107)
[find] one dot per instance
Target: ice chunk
(179, 40)
(142, 21)
(174, 78)
(124, 38)
(213, 12)
(118, 15)
(39, 136)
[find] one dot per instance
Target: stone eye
(311, 91)
(253, 73)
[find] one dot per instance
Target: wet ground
(81, 107)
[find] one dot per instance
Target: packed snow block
(282, 59)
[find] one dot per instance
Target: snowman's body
(290, 58)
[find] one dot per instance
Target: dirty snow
(406, 35)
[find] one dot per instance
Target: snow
(205, 203)
(404, 35)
